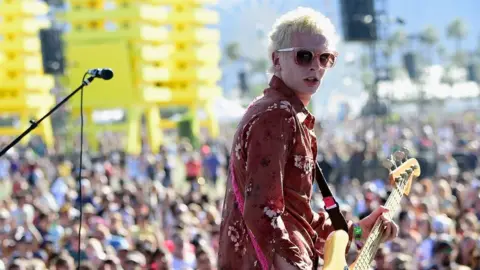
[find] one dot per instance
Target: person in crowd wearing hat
(135, 261)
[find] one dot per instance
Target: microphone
(104, 73)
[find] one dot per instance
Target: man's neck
(304, 98)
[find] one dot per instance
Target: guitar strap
(331, 205)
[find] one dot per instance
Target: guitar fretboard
(370, 248)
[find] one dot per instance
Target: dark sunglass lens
(327, 60)
(304, 57)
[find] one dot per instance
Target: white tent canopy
(227, 111)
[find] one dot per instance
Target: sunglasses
(305, 57)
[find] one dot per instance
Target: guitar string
(394, 200)
(378, 232)
(373, 241)
(364, 260)
(371, 245)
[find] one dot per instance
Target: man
(267, 220)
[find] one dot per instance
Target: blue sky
(417, 13)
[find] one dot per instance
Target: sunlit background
(439, 35)
(157, 136)
(450, 43)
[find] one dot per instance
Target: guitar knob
(414, 167)
(408, 171)
(404, 175)
(398, 179)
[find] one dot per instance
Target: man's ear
(276, 60)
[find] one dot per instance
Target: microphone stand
(34, 124)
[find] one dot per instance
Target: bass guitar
(402, 173)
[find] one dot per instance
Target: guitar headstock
(402, 169)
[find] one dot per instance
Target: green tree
(232, 51)
(429, 38)
(442, 53)
(394, 44)
(397, 40)
(257, 65)
(457, 31)
(476, 52)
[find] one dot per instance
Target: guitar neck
(367, 253)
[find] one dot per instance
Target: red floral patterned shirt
(273, 155)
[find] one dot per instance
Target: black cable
(79, 180)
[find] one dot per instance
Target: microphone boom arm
(34, 124)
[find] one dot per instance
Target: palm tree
(457, 31)
(443, 58)
(398, 39)
(256, 65)
(259, 65)
(394, 43)
(442, 53)
(232, 51)
(477, 49)
(429, 38)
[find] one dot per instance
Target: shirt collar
(303, 114)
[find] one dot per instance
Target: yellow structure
(194, 63)
(129, 37)
(154, 67)
(24, 88)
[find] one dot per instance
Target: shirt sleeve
(268, 139)
(323, 226)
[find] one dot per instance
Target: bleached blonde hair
(303, 20)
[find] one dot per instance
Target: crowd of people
(438, 221)
(122, 213)
(162, 210)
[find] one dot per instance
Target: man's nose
(316, 65)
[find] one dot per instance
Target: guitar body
(334, 251)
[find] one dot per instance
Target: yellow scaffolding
(24, 88)
(131, 38)
(194, 63)
(162, 55)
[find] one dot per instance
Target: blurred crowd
(439, 218)
(132, 216)
(162, 210)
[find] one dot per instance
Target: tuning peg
(408, 171)
(398, 157)
(405, 151)
(398, 179)
(392, 159)
(414, 167)
(388, 164)
(404, 175)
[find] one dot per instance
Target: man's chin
(311, 90)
